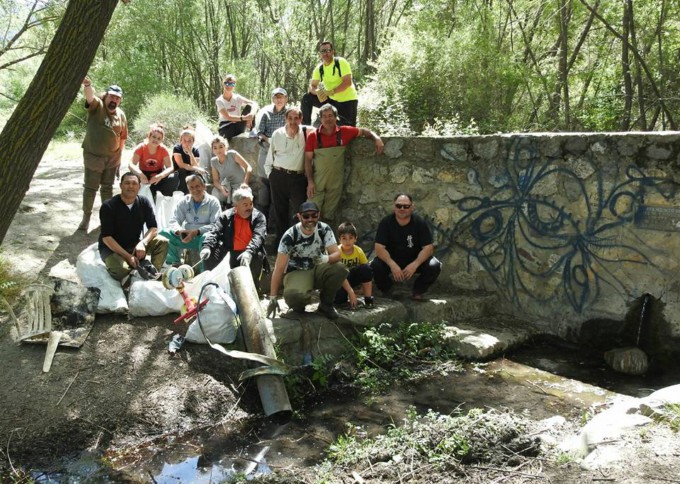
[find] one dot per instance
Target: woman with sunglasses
(236, 112)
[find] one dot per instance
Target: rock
(631, 361)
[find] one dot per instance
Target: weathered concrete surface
(565, 228)
(489, 337)
(474, 331)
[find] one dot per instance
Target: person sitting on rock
(404, 247)
(360, 273)
(307, 259)
(240, 231)
(121, 244)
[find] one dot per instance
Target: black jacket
(220, 238)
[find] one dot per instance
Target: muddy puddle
(261, 445)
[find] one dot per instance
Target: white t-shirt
(233, 106)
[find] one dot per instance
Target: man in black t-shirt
(403, 247)
(121, 244)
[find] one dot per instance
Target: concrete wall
(566, 227)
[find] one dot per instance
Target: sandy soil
(122, 389)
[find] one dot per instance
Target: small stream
(543, 380)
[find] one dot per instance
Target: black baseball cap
(308, 207)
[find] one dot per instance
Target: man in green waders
(325, 159)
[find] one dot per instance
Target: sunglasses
(402, 206)
(310, 215)
(230, 83)
(325, 51)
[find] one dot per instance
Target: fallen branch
(68, 387)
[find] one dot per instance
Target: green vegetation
(436, 442)
(669, 415)
(392, 352)
(437, 68)
(172, 110)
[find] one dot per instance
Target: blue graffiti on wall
(526, 240)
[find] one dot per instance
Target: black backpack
(336, 65)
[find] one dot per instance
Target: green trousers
(298, 285)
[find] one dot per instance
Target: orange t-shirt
(242, 232)
(149, 163)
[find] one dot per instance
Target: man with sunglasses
(331, 83)
(403, 248)
(308, 258)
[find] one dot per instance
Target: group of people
(300, 170)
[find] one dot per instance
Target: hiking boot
(147, 270)
(85, 222)
(328, 310)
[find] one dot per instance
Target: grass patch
(390, 353)
(434, 444)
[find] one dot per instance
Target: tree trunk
(29, 130)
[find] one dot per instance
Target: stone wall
(567, 228)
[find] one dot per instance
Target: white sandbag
(150, 298)
(145, 191)
(92, 272)
(165, 208)
(202, 143)
(218, 322)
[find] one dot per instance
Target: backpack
(336, 65)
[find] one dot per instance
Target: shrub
(173, 111)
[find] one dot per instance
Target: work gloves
(245, 259)
(273, 307)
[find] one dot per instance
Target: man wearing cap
(325, 159)
(331, 83)
(273, 118)
(285, 167)
(105, 136)
(308, 258)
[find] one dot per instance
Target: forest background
(440, 67)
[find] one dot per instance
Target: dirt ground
(122, 389)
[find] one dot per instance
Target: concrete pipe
(271, 387)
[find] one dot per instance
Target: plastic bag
(151, 298)
(218, 321)
(165, 208)
(92, 272)
(145, 191)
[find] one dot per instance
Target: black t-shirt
(404, 243)
(185, 158)
(124, 224)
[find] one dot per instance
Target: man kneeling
(122, 220)
(307, 259)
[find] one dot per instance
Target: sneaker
(368, 302)
(147, 270)
(328, 310)
(175, 344)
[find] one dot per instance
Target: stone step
(489, 337)
(296, 336)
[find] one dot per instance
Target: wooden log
(272, 388)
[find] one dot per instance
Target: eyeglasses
(310, 215)
(229, 83)
(325, 51)
(402, 206)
